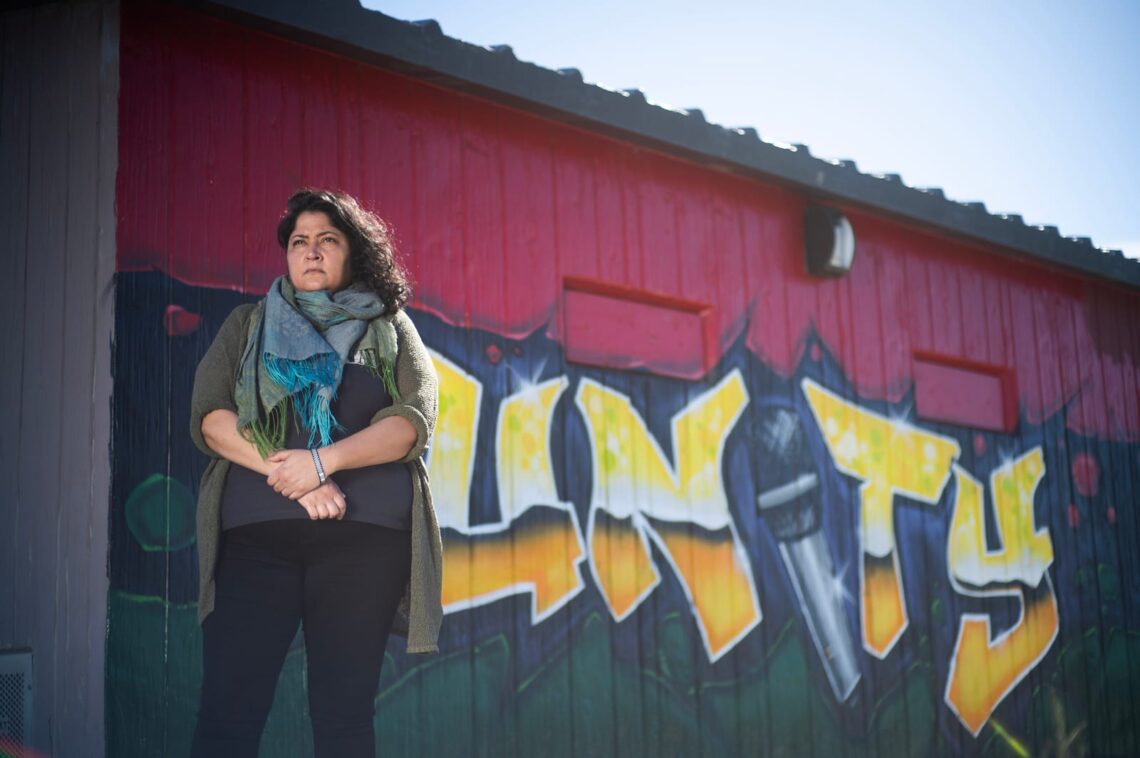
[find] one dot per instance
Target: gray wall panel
(14, 93)
(58, 133)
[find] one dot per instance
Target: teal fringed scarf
(294, 359)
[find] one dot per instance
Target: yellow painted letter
(985, 669)
(890, 457)
(536, 545)
(640, 495)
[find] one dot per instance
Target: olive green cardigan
(421, 610)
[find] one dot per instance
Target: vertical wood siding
(603, 598)
(59, 90)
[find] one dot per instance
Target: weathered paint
(610, 587)
(59, 87)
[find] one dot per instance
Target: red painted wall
(494, 207)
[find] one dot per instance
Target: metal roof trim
(420, 48)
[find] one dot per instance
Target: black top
(376, 494)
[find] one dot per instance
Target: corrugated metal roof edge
(421, 49)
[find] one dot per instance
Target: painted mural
(688, 504)
(742, 564)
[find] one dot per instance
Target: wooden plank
(574, 187)
(1118, 487)
(528, 229)
(78, 42)
(971, 294)
(1099, 447)
(211, 71)
(614, 215)
(381, 153)
(15, 136)
(861, 294)
(1052, 394)
(312, 78)
(660, 250)
(779, 315)
(946, 304)
(894, 309)
(1029, 381)
(729, 287)
(724, 272)
(56, 490)
(41, 422)
(436, 252)
(996, 349)
(1126, 485)
(482, 190)
(271, 147)
(144, 175)
(1068, 537)
(626, 263)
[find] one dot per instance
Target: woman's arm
(213, 409)
(294, 472)
(219, 429)
(389, 439)
(215, 377)
(399, 432)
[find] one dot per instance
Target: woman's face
(318, 254)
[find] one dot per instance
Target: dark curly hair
(372, 254)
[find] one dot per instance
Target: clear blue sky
(1032, 107)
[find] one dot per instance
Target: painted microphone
(790, 503)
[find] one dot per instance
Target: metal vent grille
(15, 699)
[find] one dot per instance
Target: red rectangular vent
(620, 327)
(964, 392)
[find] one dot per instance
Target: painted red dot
(494, 354)
(1086, 474)
(179, 322)
(816, 353)
(1074, 516)
(1111, 515)
(979, 445)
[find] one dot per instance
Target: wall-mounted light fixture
(829, 241)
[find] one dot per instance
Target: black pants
(344, 580)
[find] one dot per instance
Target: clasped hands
(296, 478)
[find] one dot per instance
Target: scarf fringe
(311, 384)
(309, 405)
(298, 375)
(268, 433)
(314, 413)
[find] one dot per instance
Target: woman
(315, 405)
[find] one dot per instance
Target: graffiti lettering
(890, 457)
(452, 458)
(640, 495)
(983, 669)
(536, 545)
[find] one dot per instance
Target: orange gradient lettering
(639, 494)
(985, 668)
(536, 545)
